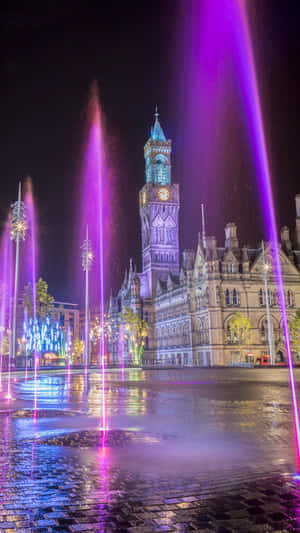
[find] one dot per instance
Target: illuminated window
(161, 170)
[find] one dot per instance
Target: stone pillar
(231, 240)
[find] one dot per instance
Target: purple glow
(263, 171)
(4, 258)
(31, 243)
(221, 74)
(96, 214)
(10, 299)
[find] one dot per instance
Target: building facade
(189, 300)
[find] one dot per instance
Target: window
(161, 170)
(264, 332)
(227, 297)
(228, 334)
(261, 297)
(235, 297)
(269, 297)
(289, 298)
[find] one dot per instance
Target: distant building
(188, 301)
(67, 314)
(64, 317)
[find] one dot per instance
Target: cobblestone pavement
(212, 453)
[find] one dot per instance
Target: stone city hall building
(189, 300)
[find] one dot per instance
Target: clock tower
(159, 209)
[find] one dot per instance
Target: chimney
(285, 239)
(297, 200)
(212, 248)
(231, 240)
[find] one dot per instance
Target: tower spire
(157, 133)
(203, 227)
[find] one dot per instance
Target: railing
(173, 341)
(201, 338)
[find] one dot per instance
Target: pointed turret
(157, 133)
(130, 275)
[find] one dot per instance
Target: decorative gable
(287, 267)
(170, 222)
(158, 221)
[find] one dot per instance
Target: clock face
(163, 194)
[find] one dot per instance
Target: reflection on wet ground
(186, 450)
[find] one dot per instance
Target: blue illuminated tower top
(157, 153)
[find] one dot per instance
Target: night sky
(49, 58)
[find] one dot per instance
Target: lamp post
(17, 233)
(266, 270)
(87, 260)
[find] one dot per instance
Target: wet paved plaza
(186, 450)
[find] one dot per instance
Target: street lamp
(266, 269)
(17, 233)
(87, 258)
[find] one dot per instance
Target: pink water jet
(218, 56)
(95, 214)
(4, 273)
(32, 254)
(10, 313)
(264, 176)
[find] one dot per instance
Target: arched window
(261, 297)
(289, 298)
(227, 297)
(228, 333)
(264, 332)
(270, 297)
(161, 170)
(235, 298)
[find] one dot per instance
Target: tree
(294, 329)
(78, 349)
(240, 330)
(136, 331)
(44, 301)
